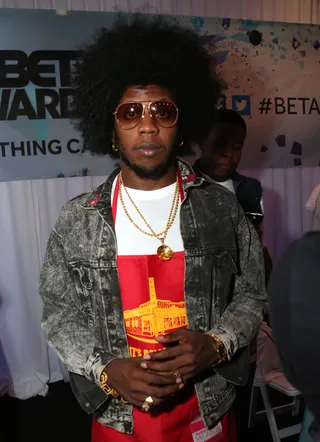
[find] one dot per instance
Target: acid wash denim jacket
(224, 293)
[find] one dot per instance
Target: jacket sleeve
(242, 318)
(63, 320)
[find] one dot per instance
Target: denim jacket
(224, 293)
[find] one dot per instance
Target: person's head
(221, 152)
(145, 89)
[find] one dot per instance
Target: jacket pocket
(83, 279)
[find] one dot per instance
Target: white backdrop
(29, 208)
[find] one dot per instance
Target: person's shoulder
(218, 196)
(236, 176)
(75, 204)
(75, 208)
(77, 201)
(217, 189)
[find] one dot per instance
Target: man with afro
(153, 282)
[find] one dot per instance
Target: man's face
(149, 149)
(221, 153)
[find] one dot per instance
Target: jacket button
(115, 299)
(121, 343)
(199, 324)
(109, 254)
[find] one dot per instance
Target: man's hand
(134, 384)
(190, 352)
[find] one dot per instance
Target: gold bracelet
(221, 349)
(105, 387)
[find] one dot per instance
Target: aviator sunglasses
(129, 115)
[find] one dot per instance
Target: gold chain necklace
(164, 252)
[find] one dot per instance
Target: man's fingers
(154, 378)
(172, 337)
(168, 353)
(172, 365)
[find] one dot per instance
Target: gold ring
(147, 404)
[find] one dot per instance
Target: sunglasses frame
(144, 105)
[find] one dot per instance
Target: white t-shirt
(155, 206)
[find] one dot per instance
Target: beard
(155, 172)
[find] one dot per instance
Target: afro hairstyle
(139, 50)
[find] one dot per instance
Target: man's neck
(133, 181)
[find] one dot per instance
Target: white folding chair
(269, 375)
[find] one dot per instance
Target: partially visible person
(220, 157)
(294, 297)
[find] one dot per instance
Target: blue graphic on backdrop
(241, 104)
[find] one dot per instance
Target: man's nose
(228, 151)
(147, 124)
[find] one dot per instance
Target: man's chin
(221, 176)
(149, 171)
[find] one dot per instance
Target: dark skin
(149, 147)
(221, 152)
(189, 353)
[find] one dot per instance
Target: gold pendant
(165, 252)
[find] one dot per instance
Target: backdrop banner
(271, 71)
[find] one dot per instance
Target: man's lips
(224, 165)
(148, 149)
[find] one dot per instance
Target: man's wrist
(221, 351)
(105, 387)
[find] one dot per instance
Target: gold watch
(221, 350)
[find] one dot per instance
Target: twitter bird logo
(241, 104)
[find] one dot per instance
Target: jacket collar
(101, 196)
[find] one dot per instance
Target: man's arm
(63, 320)
(242, 318)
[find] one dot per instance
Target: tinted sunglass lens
(164, 112)
(129, 114)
